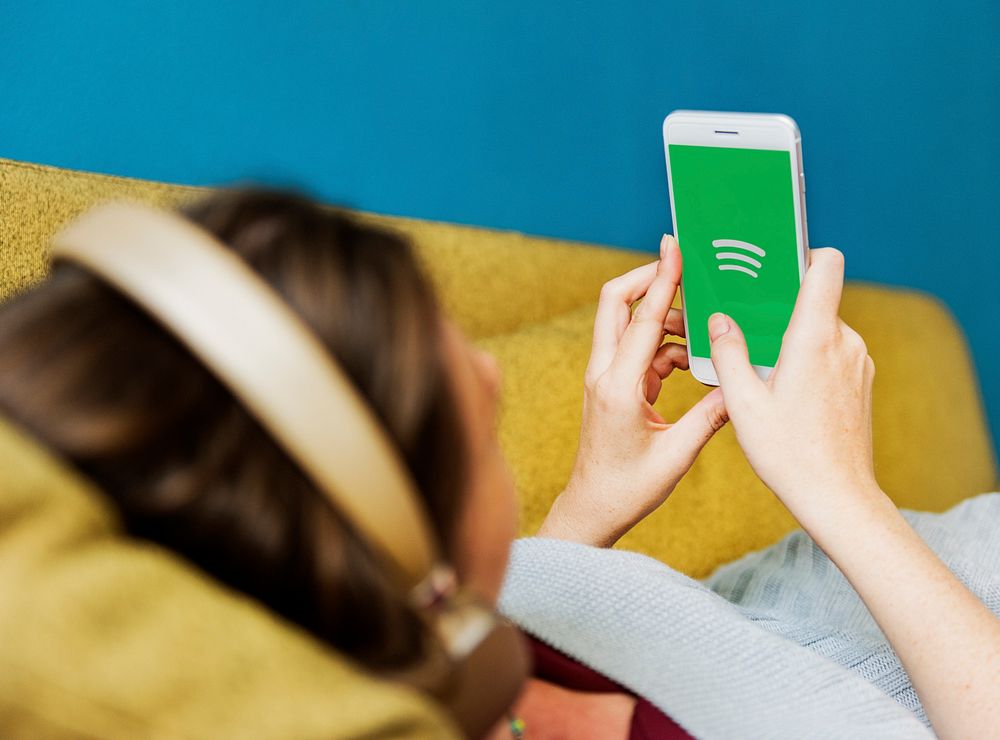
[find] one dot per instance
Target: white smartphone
(737, 194)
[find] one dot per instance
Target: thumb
(690, 433)
(730, 358)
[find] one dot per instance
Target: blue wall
(541, 118)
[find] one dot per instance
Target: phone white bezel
(744, 131)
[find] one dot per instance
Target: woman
(198, 475)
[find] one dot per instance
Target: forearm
(946, 639)
(577, 517)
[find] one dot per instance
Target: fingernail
(664, 245)
(718, 324)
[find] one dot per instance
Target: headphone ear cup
(476, 665)
(488, 681)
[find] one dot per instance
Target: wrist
(840, 514)
(815, 494)
(574, 519)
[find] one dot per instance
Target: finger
(822, 286)
(669, 356)
(614, 311)
(644, 332)
(737, 377)
(652, 387)
(674, 324)
(690, 433)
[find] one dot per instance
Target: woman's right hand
(807, 434)
(807, 430)
(630, 458)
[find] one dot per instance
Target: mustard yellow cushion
(103, 636)
(489, 281)
(931, 443)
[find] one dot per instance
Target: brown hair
(106, 387)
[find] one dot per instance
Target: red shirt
(648, 722)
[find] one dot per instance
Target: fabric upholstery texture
(489, 281)
(109, 637)
(94, 613)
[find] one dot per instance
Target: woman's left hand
(630, 458)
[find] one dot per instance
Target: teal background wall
(543, 117)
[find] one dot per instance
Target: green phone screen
(735, 221)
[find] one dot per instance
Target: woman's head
(104, 385)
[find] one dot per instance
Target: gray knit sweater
(776, 644)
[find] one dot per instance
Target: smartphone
(737, 195)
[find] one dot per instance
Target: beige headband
(261, 350)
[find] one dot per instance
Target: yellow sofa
(176, 663)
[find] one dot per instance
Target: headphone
(258, 347)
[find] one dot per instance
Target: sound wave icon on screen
(738, 261)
